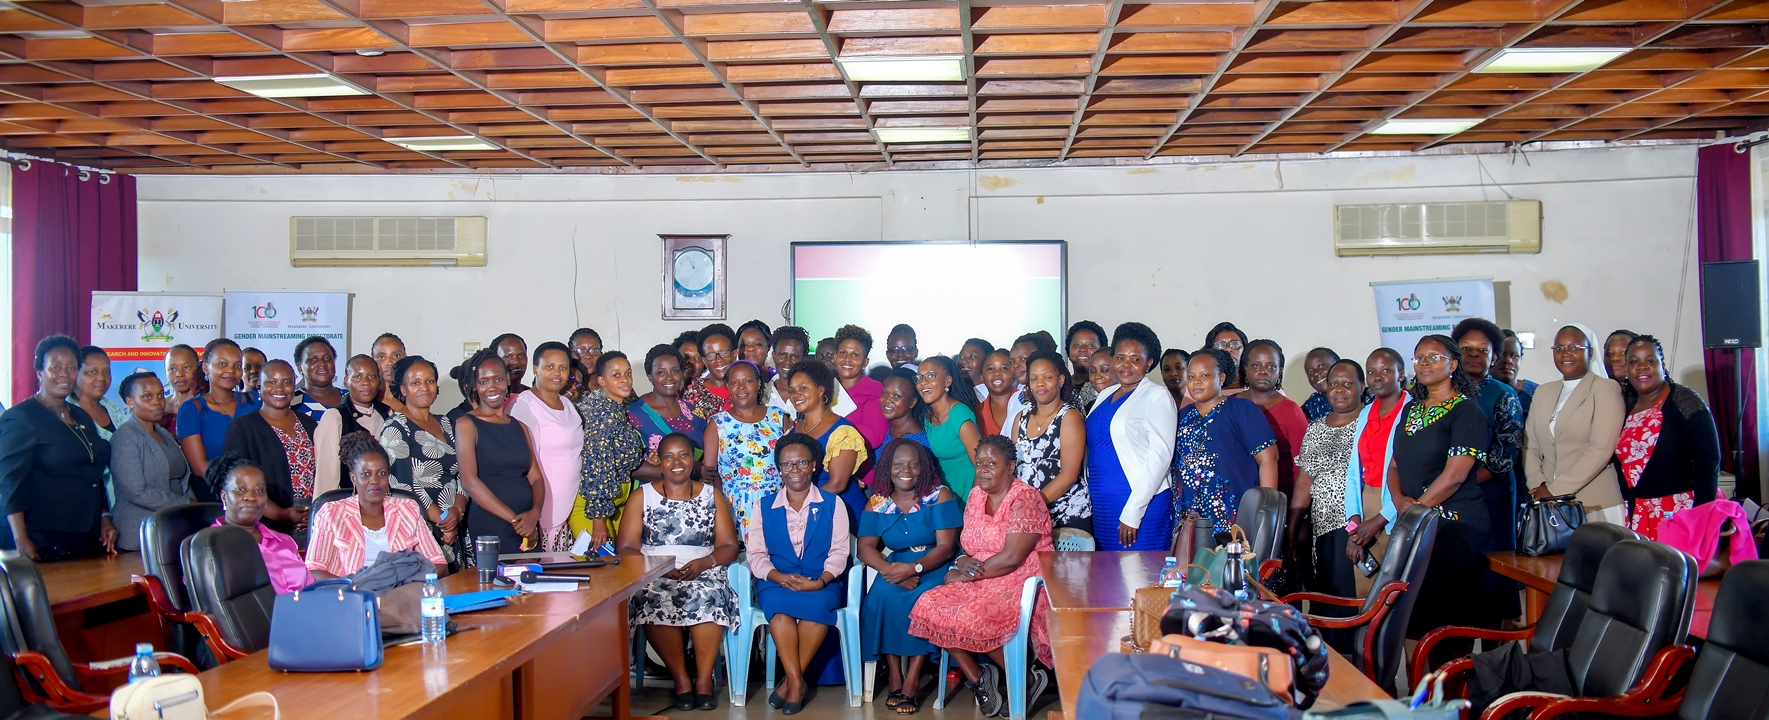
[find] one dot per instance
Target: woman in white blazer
(1130, 433)
(1571, 435)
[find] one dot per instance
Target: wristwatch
(918, 568)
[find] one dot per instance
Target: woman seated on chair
(240, 483)
(676, 515)
(798, 553)
(977, 610)
(917, 519)
(351, 534)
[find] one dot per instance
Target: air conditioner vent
(1434, 228)
(386, 241)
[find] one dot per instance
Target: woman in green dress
(952, 421)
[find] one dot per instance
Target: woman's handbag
(1147, 606)
(1546, 525)
(1270, 667)
(1194, 532)
(175, 697)
(325, 627)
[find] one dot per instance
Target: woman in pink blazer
(351, 534)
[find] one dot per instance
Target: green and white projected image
(948, 291)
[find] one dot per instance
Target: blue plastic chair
(847, 628)
(1067, 540)
(1014, 652)
(736, 658)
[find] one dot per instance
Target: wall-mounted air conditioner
(1438, 228)
(386, 241)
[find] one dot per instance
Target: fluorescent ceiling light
(904, 69)
(441, 144)
(1424, 127)
(1549, 60)
(291, 86)
(923, 134)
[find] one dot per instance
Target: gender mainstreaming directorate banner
(136, 329)
(276, 320)
(1409, 310)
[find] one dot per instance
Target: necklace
(65, 416)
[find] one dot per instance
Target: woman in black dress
(52, 464)
(496, 457)
(1439, 440)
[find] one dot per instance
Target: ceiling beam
(1114, 9)
(697, 47)
(1262, 10)
(820, 22)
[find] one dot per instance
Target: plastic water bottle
(144, 665)
(1170, 577)
(435, 623)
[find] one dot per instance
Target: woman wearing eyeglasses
(1229, 339)
(1570, 443)
(1440, 441)
(717, 349)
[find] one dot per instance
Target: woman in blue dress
(1130, 449)
(905, 413)
(798, 553)
(1225, 446)
(916, 518)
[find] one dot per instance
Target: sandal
(909, 705)
(894, 699)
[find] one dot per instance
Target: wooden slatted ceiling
(702, 83)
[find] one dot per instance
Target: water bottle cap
(429, 577)
(147, 648)
(1172, 559)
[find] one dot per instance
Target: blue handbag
(325, 627)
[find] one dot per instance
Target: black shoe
(987, 690)
(705, 702)
(775, 701)
(1036, 680)
(685, 701)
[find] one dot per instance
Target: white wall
(1179, 247)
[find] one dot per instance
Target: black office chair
(162, 576)
(1381, 623)
(230, 591)
(29, 637)
(1639, 616)
(14, 706)
(1262, 514)
(1560, 617)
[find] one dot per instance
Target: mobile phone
(1368, 565)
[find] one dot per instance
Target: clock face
(693, 272)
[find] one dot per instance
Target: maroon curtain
(69, 238)
(1723, 214)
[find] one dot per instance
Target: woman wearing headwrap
(1573, 433)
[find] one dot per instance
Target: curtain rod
(23, 162)
(1750, 141)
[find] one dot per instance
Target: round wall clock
(693, 272)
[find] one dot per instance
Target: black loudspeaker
(1731, 316)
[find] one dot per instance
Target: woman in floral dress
(1669, 450)
(1049, 434)
(421, 446)
(740, 444)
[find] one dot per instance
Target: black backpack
(1141, 686)
(1218, 616)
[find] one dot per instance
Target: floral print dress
(1634, 449)
(746, 461)
(1039, 462)
(683, 529)
(426, 466)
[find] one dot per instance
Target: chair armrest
(35, 667)
(1268, 567)
(1385, 598)
(1422, 654)
(1645, 698)
(211, 633)
(120, 665)
(1322, 598)
(1454, 674)
(1516, 701)
(157, 600)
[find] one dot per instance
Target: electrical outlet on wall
(468, 348)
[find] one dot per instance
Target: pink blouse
(756, 545)
(282, 558)
(558, 445)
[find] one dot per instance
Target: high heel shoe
(775, 701)
(685, 701)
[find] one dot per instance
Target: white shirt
(374, 542)
(1566, 388)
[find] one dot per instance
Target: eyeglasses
(1570, 348)
(1226, 344)
(1267, 367)
(797, 465)
(726, 355)
(901, 349)
(1432, 359)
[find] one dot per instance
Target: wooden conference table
(1538, 574)
(547, 656)
(99, 615)
(1090, 600)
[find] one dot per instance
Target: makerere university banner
(1409, 310)
(137, 328)
(276, 320)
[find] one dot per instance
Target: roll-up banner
(137, 328)
(1408, 310)
(274, 321)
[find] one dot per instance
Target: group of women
(941, 476)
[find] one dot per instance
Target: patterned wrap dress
(683, 529)
(426, 466)
(1039, 462)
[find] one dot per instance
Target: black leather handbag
(1545, 526)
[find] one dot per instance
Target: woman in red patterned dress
(977, 609)
(1669, 451)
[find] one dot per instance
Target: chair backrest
(30, 622)
(1072, 540)
(227, 579)
(1643, 599)
(1572, 589)
(1731, 676)
(341, 493)
(1262, 514)
(1410, 542)
(161, 535)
